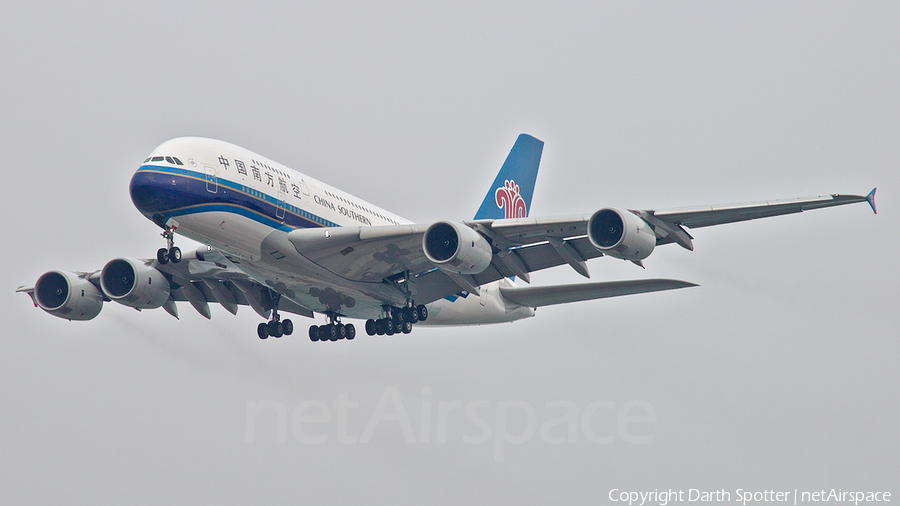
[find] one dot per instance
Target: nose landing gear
(170, 252)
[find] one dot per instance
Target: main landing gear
(170, 253)
(334, 331)
(276, 327)
(397, 321)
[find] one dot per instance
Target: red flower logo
(510, 201)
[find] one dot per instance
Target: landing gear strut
(170, 252)
(397, 320)
(334, 331)
(276, 327)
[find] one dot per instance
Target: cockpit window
(169, 159)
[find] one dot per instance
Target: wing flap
(537, 296)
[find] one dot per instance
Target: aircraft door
(212, 181)
(279, 213)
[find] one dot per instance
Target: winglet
(870, 198)
(510, 194)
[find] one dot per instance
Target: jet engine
(621, 234)
(133, 283)
(68, 295)
(454, 247)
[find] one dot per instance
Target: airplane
(280, 241)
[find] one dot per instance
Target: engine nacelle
(457, 248)
(67, 295)
(131, 282)
(621, 234)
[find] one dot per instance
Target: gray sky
(778, 372)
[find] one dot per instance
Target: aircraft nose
(147, 192)
(156, 193)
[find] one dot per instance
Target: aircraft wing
(200, 281)
(215, 279)
(705, 216)
(395, 254)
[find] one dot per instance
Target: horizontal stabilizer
(537, 296)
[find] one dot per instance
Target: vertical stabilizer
(510, 194)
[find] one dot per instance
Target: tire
(389, 328)
(423, 312)
(370, 327)
(262, 330)
(276, 329)
(407, 327)
(162, 256)
(341, 330)
(313, 333)
(332, 332)
(413, 315)
(351, 331)
(175, 254)
(288, 327)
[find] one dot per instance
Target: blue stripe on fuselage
(161, 192)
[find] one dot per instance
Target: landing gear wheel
(406, 328)
(351, 331)
(288, 327)
(423, 312)
(162, 256)
(262, 330)
(411, 315)
(313, 333)
(379, 327)
(370, 327)
(328, 333)
(389, 328)
(341, 330)
(275, 329)
(175, 254)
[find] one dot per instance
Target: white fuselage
(244, 205)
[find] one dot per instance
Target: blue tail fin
(510, 195)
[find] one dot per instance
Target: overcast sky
(778, 372)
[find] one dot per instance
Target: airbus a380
(282, 242)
